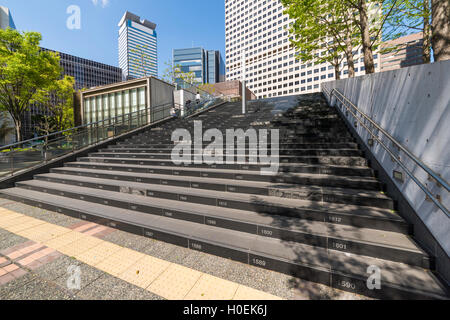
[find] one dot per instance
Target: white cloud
(104, 3)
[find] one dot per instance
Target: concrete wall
(413, 105)
(11, 136)
(161, 92)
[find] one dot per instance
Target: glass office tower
(137, 47)
(207, 66)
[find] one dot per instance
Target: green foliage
(26, 72)
(173, 72)
(318, 35)
(142, 60)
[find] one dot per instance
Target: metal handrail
(441, 181)
(90, 134)
(92, 124)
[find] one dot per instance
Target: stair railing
(30, 153)
(347, 107)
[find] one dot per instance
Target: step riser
(329, 277)
(334, 218)
(265, 231)
(344, 161)
(301, 195)
(312, 170)
(281, 147)
(256, 176)
(167, 153)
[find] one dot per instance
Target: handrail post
(11, 161)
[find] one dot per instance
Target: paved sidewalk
(42, 252)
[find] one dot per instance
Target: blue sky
(180, 23)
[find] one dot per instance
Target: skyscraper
(6, 19)
(137, 47)
(207, 66)
(259, 30)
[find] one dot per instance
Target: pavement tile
(246, 293)
(175, 283)
(119, 261)
(98, 254)
(18, 273)
(79, 246)
(108, 287)
(11, 268)
(145, 271)
(4, 279)
(212, 288)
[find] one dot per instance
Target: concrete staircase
(323, 218)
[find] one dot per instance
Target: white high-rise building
(6, 19)
(138, 47)
(259, 29)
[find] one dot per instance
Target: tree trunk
(366, 41)
(337, 70)
(349, 56)
(426, 32)
(440, 13)
(18, 126)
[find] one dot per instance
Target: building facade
(258, 29)
(6, 19)
(206, 65)
(406, 51)
(87, 74)
(147, 99)
(138, 47)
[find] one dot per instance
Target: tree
(59, 103)
(25, 73)
(320, 36)
(411, 15)
(142, 59)
(441, 29)
(172, 73)
(371, 16)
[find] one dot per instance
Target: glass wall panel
(134, 102)
(87, 110)
(94, 110)
(142, 99)
(112, 105)
(99, 108)
(105, 107)
(119, 100)
(126, 102)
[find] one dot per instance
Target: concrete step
(329, 160)
(254, 175)
(284, 152)
(379, 244)
(298, 147)
(285, 168)
(330, 267)
(359, 216)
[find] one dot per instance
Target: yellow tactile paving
(98, 253)
(43, 232)
(64, 240)
(168, 280)
(24, 226)
(246, 293)
(175, 283)
(80, 246)
(119, 261)
(145, 271)
(212, 288)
